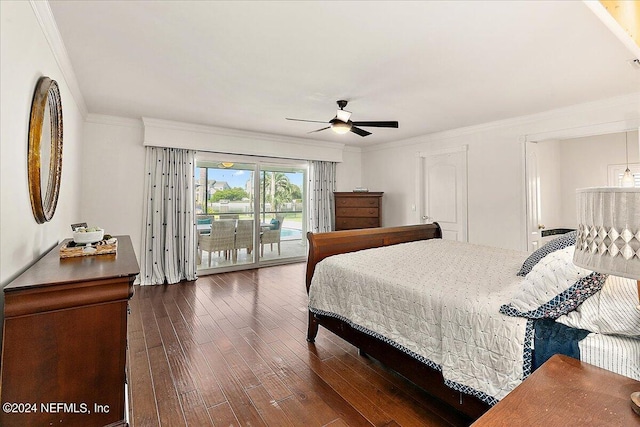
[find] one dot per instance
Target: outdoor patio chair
(244, 236)
(221, 239)
(271, 236)
(203, 220)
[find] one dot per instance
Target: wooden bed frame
(322, 245)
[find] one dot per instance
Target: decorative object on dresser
(84, 235)
(358, 210)
(109, 245)
(65, 338)
(608, 239)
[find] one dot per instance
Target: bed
(434, 310)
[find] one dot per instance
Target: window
(616, 172)
(249, 212)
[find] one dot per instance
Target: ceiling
(430, 65)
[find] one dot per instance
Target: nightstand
(566, 392)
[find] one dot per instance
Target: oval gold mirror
(45, 149)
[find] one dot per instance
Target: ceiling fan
(342, 124)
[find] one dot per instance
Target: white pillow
(612, 311)
(555, 286)
(561, 242)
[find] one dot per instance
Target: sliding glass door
(225, 214)
(248, 214)
(282, 212)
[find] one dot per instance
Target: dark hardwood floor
(230, 349)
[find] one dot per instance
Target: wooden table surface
(567, 392)
(51, 270)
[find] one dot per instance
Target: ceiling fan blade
(318, 130)
(311, 121)
(343, 115)
(388, 124)
(359, 131)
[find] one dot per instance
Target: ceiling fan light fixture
(343, 115)
(340, 127)
(342, 123)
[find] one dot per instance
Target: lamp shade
(608, 238)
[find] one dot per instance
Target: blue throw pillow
(556, 244)
(274, 224)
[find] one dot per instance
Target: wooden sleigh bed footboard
(322, 245)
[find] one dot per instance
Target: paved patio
(288, 249)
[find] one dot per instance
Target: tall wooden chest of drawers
(358, 210)
(65, 338)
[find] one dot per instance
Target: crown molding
(630, 101)
(47, 23)
(583, 131)
(235, 133)
(166, 133)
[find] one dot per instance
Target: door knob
(426, 217)
(540, 226)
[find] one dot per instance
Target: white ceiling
(430, 65)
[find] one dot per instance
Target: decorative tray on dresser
(65, 338)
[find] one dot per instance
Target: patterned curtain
(322, 184)
(168, 252)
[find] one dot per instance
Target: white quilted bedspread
(439, 301)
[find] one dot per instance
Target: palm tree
(280, 189)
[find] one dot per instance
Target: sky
(238, 178)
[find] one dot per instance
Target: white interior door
(534, 226)
(444, 191)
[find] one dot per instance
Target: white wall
(113, 176)
(392, 172)
(25, 55)
(494, 183)
(349, 171)
(496, 197)
(581, 162)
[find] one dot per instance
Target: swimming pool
(290, 234)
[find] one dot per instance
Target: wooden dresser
(566, 392)
(358, 210)
(65, 338)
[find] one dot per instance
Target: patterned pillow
(568, 239)
(611, 311)
(555, 286)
